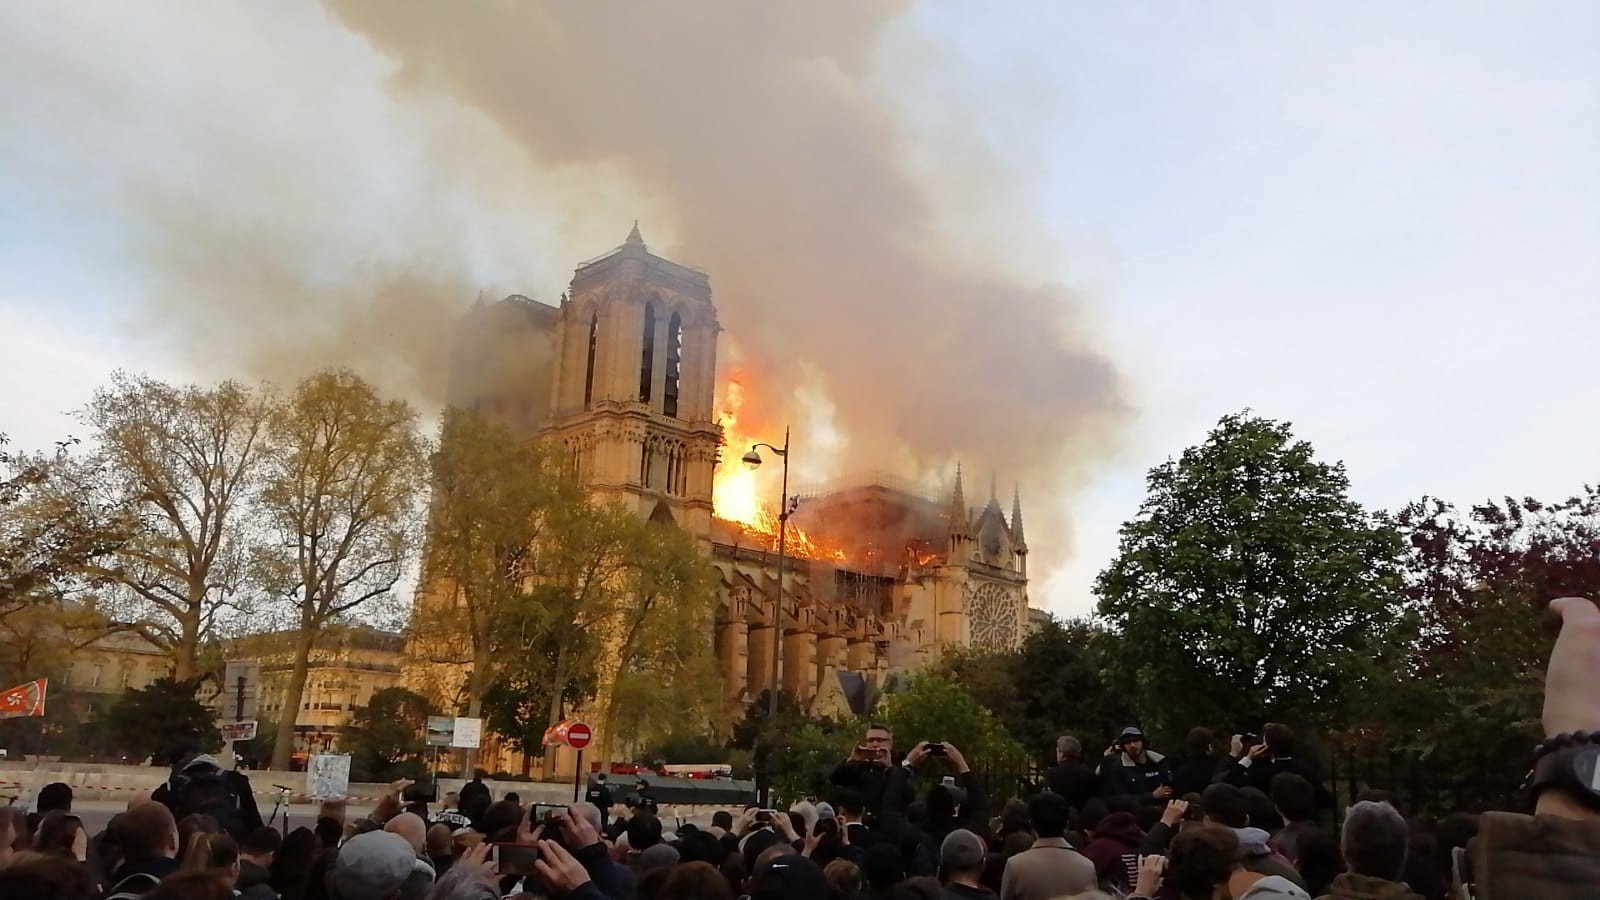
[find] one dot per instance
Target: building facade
(622, 374)
(348, 665)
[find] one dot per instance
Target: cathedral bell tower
(632, 397)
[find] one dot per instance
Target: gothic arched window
(674, 365)
(594, 340)
(647, 356)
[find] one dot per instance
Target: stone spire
(958, 508)
(634, 238)
(1016, 518)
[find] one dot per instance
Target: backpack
(207, 790)
(126, 889)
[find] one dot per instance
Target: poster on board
(328, 776)
(468, 733)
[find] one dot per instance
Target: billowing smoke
(335, 185)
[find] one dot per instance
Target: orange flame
(736, 491)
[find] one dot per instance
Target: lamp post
(753, 460)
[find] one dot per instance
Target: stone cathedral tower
(632, 395)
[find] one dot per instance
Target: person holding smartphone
(866, 769)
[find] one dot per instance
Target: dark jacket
(868, 780)
(470, 791)
(1074, 781)
(609, 878)
(1116, 842)
(240, 822)
(921, 843)
(157, 868)
(1195, 774)
(252, 882)
(1120, 775)
(963, 892)
(1243, 772)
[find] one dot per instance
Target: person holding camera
(1130, 767)
(1256, 759)
(866, 769)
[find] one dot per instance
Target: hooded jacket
(1259, 856)
(1350, 886)
(1116, 840)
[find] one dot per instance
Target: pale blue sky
(1377, 220)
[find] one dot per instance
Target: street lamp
(752, 460)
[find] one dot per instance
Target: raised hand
(559, 869)
(1174, 813)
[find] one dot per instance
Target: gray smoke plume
(372, 165)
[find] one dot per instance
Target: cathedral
(622, 375)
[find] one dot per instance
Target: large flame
(735, 488)
(737, 492)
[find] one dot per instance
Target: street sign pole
(577, 778)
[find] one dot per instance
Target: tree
(665, 675)
(1249, 585)
(386, 738)
(183, 460)
(792, 751)
(517, 705)
(150, 721)
(49, 532)
(1476, 585)
(929, 708)
(342, 471)
(495, 496)
(1054, 684)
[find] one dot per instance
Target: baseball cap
(788, 877)
(961, 851)
(372, 866)
(1132, 731)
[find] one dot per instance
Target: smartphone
(936, 749)
(514, 859)
(1251, 740)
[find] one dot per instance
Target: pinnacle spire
(1016, 516)
(958, 507)
(634, 238)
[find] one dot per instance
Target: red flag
(24, 700)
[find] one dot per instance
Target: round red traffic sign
(579, 736)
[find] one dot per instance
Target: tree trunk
(558, 688)
(283, 747)
(474, 708)
(186, 652)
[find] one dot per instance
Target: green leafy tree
(386, 737)
(930, 708)
(791, 751)
(1249, 585)
(495, 497)
(151, 720)
(686, 748)
(1470, 682)
(1054, 684)
(517, 705)
(342, 470)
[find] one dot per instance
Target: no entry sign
(579, 736)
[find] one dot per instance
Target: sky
(1377, 221)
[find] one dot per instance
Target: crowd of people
(1252, 823)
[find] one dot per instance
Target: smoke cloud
(335, 184)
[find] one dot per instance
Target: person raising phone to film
(866, 769)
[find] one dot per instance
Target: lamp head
(752, 460)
